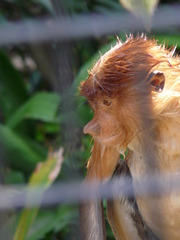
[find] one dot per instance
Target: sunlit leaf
(142, 9)
(139, 6)
(43, 176)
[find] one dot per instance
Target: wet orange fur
(122, 63)
(121, 76)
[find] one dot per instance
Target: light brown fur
(127, 110)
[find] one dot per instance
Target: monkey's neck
(157, 155)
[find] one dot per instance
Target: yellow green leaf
(142, 9)
(137, 6)
(43, 176)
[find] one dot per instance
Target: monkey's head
(121, 81)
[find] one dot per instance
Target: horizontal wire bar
(65, 28)
(74, 192)
(83, 26)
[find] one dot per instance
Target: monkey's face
(108, 125)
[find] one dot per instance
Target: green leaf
(19, 154)
(12, 90)
(51, 128)
(170, 39)
(43, 176)
(13, 177)
(42, 106)
(49, 220)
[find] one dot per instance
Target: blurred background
(46, 48)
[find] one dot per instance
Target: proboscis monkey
(134, 91)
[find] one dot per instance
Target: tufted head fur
(128, 65)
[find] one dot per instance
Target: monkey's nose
(92, 128)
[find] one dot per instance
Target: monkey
(134, 92)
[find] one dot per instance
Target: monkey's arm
(100, 167)
(92, 221)
(122, 213)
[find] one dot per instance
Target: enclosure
(47, 48)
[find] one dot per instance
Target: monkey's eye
(107, 102)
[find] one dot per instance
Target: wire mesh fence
(58, 31)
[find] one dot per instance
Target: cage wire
(63, 30)
(74, 192)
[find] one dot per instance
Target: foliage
(33, 120)
(20, 112)
(43, 176)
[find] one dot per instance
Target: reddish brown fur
(125, 65)
(119, 89)
(119, 69)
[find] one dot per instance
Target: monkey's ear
(156, 80)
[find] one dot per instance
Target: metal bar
(83, 26)
(74, 192)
